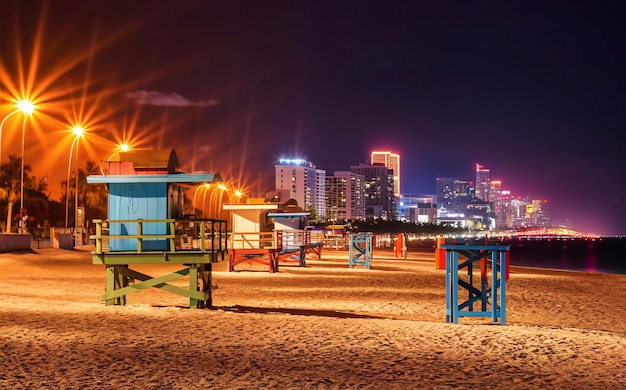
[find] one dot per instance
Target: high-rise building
(418, 208)
(345, 197)
(300, 180)
(380, 201)
(390, 160)
(483, 183)
(454, 197)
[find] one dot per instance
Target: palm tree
(38, 201)
(95, 196)
(92, 197)
(38, 184)
(10, 181)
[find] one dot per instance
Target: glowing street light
(122, 147)
(78, 132)
(220, 188)
(237, 194)
(2, 125)
(206, 186)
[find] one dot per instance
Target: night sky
(534, 91)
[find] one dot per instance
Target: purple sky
(532, 90)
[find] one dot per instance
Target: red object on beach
(440, 254)
(400, 247)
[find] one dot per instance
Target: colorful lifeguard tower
(146, 225)
(266, 233)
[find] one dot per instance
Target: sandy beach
(323, 326)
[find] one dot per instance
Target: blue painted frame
(493, 296)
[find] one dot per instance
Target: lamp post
(1, 126)
(27, 108)
(220, 188)
(206, 187)
(24, 106)
(122, 147)
(204, 203)
(78, 132)
(8, 227)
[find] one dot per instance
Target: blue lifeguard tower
(147, 225)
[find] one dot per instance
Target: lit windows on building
(390, 160)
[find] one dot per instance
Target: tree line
(42, 211)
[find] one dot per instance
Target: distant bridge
(551, 233)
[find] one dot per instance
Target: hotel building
(300, 180)
(390, 160)
(345, 196)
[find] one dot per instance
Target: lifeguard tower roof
(151, 159)
(188, 179)
(289, 220)
(150, 166)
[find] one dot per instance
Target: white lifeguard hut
(266, 233)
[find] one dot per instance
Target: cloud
(156, 98)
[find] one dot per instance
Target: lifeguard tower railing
(161, 235)
(192, 243)
(270, 248)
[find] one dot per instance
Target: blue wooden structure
(486, 297)
(360, 250)
(146, 225)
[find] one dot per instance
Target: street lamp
(206, 186)
(1, 126)
(123, 147)
(236, 194)
(220, 188)
(78, 132)
(27, 108)
(24, 106)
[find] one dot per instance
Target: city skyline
(482, 179)
(531, 90)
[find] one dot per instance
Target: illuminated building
(345, 197)
(418, 208)
(300, 180)
(536, 216)
(392, 161)
(458, 205)
(453, 195)
(501, 204)
(380, 201)
(483, 183)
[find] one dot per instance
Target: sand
(323, 326)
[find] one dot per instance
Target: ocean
(597, 255)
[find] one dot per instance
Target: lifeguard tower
(267, 233)
(146, 225)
